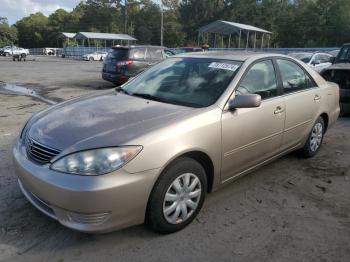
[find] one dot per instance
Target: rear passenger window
(137, 53)
(294, 77)
(260, 79)
(154, 54)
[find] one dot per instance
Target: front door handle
(317, 98)
(278, 110)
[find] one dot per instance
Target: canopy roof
(227, 28)
(103, 36)
(68, 35)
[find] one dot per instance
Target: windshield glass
(344, 54)
(306, 59)
(193, 82)
(303, 57)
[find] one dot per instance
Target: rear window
(118, 54)
(154, 54)
(137, 53)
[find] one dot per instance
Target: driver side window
(260, 80)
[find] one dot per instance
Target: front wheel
(91, 59)
(314, 141)
(177, 196)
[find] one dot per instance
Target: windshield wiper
(123, 91)
(150, 97)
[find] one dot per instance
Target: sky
(14, 10)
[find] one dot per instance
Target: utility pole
(126, 17)
(161, 23)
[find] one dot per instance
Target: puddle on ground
(15, 89)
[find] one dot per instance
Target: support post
(199, 35)
(239, 40)
(255, 40)
(215, 40)
(247, 45)
(229, 41)
(262, 41)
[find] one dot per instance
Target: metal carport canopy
(68, 35)
(103, 36)
(227, 28)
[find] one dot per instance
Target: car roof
(136, 46)
(229, 55)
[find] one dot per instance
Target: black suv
(339, 73)
(122, 62)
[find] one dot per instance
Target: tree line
(294, 23)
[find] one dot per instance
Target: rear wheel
(177, 197)
(314, 142)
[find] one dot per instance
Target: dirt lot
(290, 210)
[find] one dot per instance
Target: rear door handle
(317, 98)
(278, 110)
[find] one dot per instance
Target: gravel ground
(290, 210)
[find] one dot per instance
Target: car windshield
(344, 54)
(306, 58)
(194, 82)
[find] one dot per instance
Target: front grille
(38, 152)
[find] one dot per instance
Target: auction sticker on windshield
(224, 66)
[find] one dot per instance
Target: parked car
(13, 50)
(95, 56)
(151, 150)
(339, 73)
(50, 51)
(123, 62)
(317, 61)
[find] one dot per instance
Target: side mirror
(245, 101)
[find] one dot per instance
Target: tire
(91, 59)
(314, 141)
(170, 216)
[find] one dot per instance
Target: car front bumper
(94, 204)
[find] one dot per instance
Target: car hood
(104, 120)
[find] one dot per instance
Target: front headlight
(97, 161)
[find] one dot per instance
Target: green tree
(32, 31)
(8, 34)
